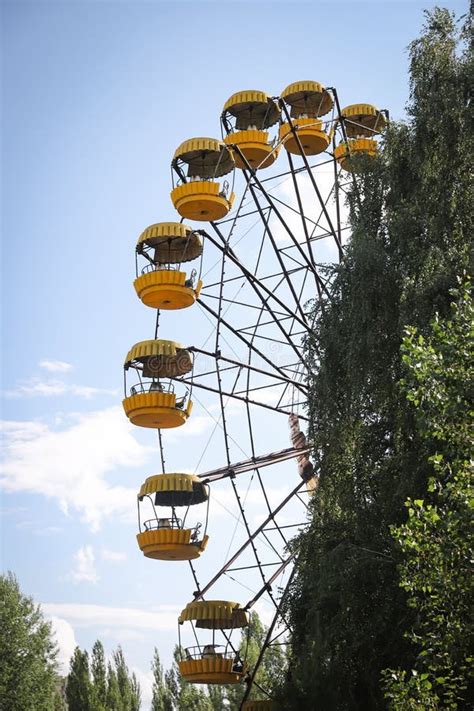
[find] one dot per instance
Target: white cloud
(96, 616)
(86, 391)
(66, 642)
(49, 388)
(70, 465)
(55, 366)
(84, 570)
(113, 556)
(122, 634)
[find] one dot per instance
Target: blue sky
(96, 97)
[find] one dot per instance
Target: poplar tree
(79, 688)
(162, 696)
(123, 680)
(99, 677)
(113, 691)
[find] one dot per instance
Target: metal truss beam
(248, 465)
(200, 593)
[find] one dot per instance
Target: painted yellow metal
(173, 242)
(311, 134)
(160, 358)
(363, 120)
(170, 544)
(201, 200)
(176, 489)
(156, 410)
(255, 146)
(215, 614)
(205, 157)
(212, 670)
(259, 705)
(345, 152)
(252, 108)
(166, 289)
(307, 98)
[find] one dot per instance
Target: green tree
(123, 680)
(412, 222)
(437, 540)
(136, 693)
(162, 696)
(218, 696)
(60, 703)
(185, 695)
(28, 652)
(113, 701)
(99, 677)
(79, 688)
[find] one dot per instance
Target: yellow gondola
(254, 112)
(201, 197)
(152, 403)
(211, 663)
(308, 100)
(167, 538)
(363, 120)
(345, 152)
(161, 283)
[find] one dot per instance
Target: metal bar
(272, 240)
(251, 538)
(242, 365)
(252, 567)
(268, 584)
(274, 208)
(303, 218)
(262, 278)
(242, 338)
(310, 173)
(344, 135)
(297, 170)
(234, 302)
(253, 280)
(195, 384)
(263, 460)
(251, 678)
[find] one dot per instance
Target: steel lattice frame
(262, 307)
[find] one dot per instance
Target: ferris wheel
(268, 200)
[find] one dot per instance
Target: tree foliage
(412, 222)
(437, 539)
(79, 688)
(162, 698)
(97, 687)
(28, 679)
(99, 677)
